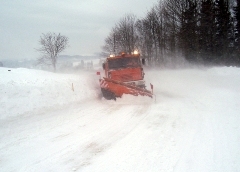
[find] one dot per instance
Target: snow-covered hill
(59, 122)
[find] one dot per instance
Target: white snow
(59, 122)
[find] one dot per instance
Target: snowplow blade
(112, 89)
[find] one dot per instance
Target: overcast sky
(86, 22)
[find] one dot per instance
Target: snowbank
(26, 90)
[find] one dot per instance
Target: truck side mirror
(103, 65)
(143, 61)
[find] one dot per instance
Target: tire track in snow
(112, 135)
(36, 121)
(56, 126)
(102, 140)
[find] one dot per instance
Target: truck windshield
(123, 63)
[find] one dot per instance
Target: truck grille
(126, 77)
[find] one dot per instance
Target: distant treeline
(201, 31)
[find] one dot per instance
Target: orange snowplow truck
(123, 75)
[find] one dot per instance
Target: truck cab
(126, 68)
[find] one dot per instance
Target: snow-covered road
(192, 126)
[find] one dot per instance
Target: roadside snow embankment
(26, 90)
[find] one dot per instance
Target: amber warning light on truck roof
(135, 52)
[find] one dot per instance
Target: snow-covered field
(59, 122)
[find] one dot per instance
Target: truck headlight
(135, 52)
(109, 75)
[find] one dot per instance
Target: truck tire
(108, 94)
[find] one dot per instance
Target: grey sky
(86, 22)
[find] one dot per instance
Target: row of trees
(202, 31)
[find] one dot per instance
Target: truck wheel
(142, 86)
(108, 94)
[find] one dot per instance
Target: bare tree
(145, 41)
(123, 37)
(127, 31)
(51, 45)
(111, 41)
